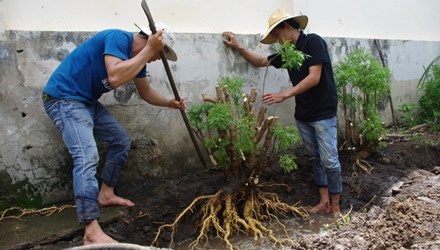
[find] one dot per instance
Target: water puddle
(296, 227)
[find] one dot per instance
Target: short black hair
(291, 22)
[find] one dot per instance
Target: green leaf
(292, 58)
(287, 162)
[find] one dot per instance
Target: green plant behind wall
(429, 85)
(362, 83)
(410, 114)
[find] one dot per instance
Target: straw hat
(168, 37)
(279, 16)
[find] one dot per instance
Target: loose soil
(396, 206)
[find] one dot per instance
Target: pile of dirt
(409, 220)
(404, 207)
(396, 206)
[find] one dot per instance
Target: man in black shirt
(316, 99)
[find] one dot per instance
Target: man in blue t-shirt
(109, 59)
(315, 97)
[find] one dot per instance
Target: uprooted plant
(362, 83)
(242, 143)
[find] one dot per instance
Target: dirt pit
(396, 206)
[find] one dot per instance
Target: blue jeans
(320, 140)
(79, 124)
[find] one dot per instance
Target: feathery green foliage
(235, 86)
(430, 86)
(216, 121)
(362, 83)
(291, 57)
(219, 117)
(195, 114)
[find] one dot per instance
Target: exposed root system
(250, 212)
(241, 143)
(18, 212)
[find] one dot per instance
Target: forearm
(154, 98)
(310, 81)
(231, 41)
(301, 87)
(252, 57)
(150, 95)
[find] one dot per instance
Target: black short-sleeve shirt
(319, 102)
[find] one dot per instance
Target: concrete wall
(36, 35)
(34, 160)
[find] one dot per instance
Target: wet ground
(50, 232)
(397, 206)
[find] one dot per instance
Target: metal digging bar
(173, 85)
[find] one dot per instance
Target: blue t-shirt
(321, 101)
(82, 75)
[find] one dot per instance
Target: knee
(314, 157)
(332, 164)
(118, 150)
(126, 142)
(88, 157)
(123, 143)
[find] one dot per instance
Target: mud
(396, 206)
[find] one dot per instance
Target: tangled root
(240, 212)
(27, 211)
(364, 165)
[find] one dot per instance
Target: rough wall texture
(35, 167)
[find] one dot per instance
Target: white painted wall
(382, 19)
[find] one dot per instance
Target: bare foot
(334, 200)
(335, 209)
(93, 234)
(98, 239)
(320, 208)
(114, 200)
(107, 197)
